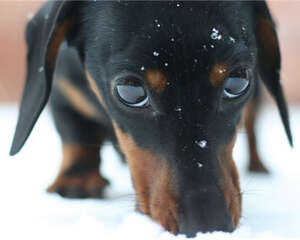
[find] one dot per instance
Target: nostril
(204, 212)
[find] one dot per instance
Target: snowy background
(271, 204)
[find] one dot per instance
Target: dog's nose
(204, 211)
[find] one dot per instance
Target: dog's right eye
(132, 93)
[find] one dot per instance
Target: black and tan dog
(166, 82)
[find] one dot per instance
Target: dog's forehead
(177, 44)
(159, 33)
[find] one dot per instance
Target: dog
(166, 82)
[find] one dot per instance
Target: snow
(270, 203)
(178, 109)
(201, 143)
(156, 54)
(215, 35)
(231, 39)
(200, 165)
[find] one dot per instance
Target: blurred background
(15, 14)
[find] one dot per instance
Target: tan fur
(94, 87)
(77, 99)
(230, 183)
(218, 74)
(58, 37)
(250, 113)
(267, 39)
(157, 80)
(89, 184)
(152, 181)
(73, 152)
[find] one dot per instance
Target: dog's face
(174, 80)
(174, 77)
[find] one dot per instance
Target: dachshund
(167, 83)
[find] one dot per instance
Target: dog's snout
(204, 211)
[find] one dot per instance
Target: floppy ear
(44, 35)
(269, 61)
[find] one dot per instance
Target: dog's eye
(132, 93)
(236, 84)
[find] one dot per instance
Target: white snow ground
(271, 204)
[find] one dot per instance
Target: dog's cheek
(156, 194)
(164, 200)
(230, 182)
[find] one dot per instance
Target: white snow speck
(142, 68)
(155, 20)
(166, 64)
(178, 109)
(244, 28)
(195, 60)
(177, 5)
(41, 69)
(158, 25)
(204, 47)
(156, 54)
(172, 40)
(231, 39)
(201, 143)
(212, 46)
(215, 35)
(200, 165)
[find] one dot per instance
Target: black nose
(204, 211)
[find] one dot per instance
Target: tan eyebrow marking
(218, 74)
(157, 80)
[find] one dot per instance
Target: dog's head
(173, 77)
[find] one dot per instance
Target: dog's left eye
(236, 84)
(132, 93)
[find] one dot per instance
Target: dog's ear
(269, 60)
(55, 22)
